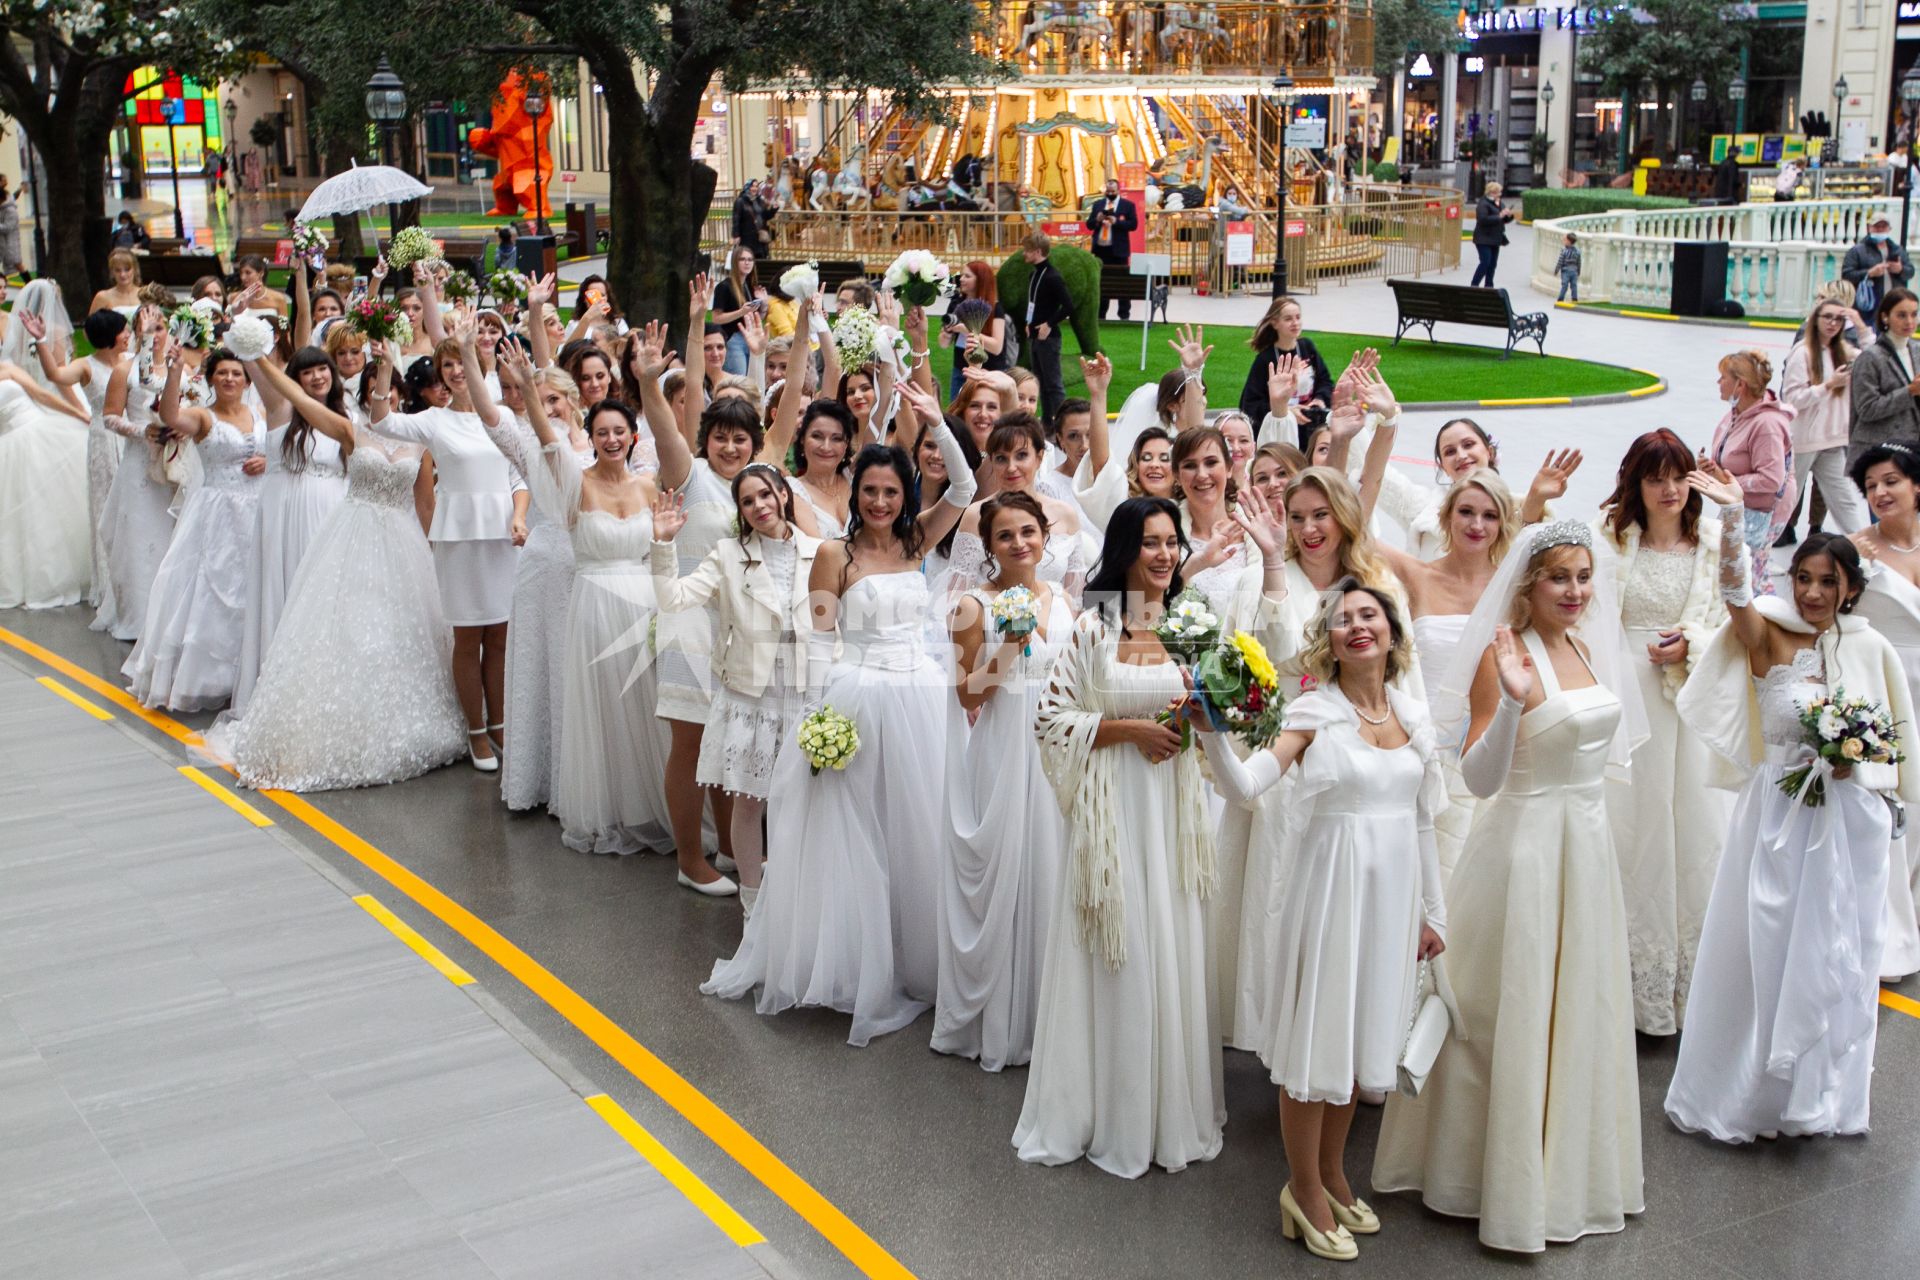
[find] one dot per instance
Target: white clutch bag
(1435, 1012)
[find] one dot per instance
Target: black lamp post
(1909, 94)
(1737, 94)
(1839, 105)
(1281, 83)
(1699, 95)
(1546, 122)
(173, 171)
(536, 106)
(386, 102)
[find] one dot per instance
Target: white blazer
(751, 618)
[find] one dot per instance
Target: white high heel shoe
(721, 888)
(1335, 1246)
(485, 764)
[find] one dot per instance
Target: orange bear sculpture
(511, 144)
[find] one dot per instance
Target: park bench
(1423, 302)
(1118, 282)
(768, 271)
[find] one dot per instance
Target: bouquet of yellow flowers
(829, 740)
(1239, 689)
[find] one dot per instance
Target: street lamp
(173, 163)
(1699, 95)
(1839, 106)
(536, 106)
(386, 101)
(1281, 83)
(1737, 94)
(1909, 94)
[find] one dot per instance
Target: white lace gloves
(960, 483)
(1241, 781)
(1736, 560)
(1485, 763)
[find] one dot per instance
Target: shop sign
(1539, 18)
(1239, 244)
(1909, 11)
(1296, 227)
(1422, 66)
(1060, 229)
(1475, 65)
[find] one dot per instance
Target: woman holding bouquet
(977, 284)
(1781, 1024)
(1006, 840)
(1363, 903)
(847, 917)
(1016, 453)
(1530, 1120)
(1126, 1062)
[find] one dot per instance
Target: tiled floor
(213, 1063)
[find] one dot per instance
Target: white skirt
(744, 735)
(476, 581)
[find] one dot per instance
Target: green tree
(1682, 41)
(1402, 27)
(63, 72)
(653, 64)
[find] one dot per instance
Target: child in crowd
(1569, 269)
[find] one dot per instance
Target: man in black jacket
(1112, 220)
(1048, 306)
(749, 220)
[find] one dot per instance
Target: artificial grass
(1420, 372)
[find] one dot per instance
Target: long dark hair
(298, 442)
(1839, 548)
(422, 374)
(1107, 584)
(849, 427)
(906, 525)
(1654, 455)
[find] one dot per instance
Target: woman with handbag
(1362, 904)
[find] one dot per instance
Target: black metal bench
(833, 272)
(1425, 303)
(1119, 282)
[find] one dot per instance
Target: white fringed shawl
(1086, 782)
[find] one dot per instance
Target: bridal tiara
(1563, 533)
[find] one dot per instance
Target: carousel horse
(1194, 27)
(849, 186)
(1083, 26)
(891, 188)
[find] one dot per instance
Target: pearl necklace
(1894, 546)
(1369, 719)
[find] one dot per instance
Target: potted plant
(1537, 147)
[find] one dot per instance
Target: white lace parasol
(361, 187)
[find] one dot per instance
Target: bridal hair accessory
(1563, 533)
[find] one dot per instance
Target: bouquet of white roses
(508, 286)
(1842, 732)
(411, 245)
(801, 281)
(828, 739)
(191, 325)
(252, 336)
(917, 278)
(310, 242)
(1016, 615)
(1189, 627)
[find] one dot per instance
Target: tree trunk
(75, 206)
(659, 201)
(346, 229)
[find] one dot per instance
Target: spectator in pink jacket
(1755, 443)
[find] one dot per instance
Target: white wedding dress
(104, 448)
(848, 914)
(1532, 1122)
(294, 506)
(1436, 638)
(138, 522)
(188, 654)
(357, 689)
(1891, 603)
(46, 537)
(1780, 1036)
(610, 759)
(1006, 845)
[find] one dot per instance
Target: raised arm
(1192, 348)
(380, 415)
(675, 593)
(429, 288)
(467, 335)
(1501, 688)
(786, 411)
(71, 374)
(914, 325)
(1097, 373)
(302, 306)
(539, 296)
(1750, 627)
(279, 410)
(288, 391)
(671, 440)
(944, 514)
(185, 422)
(1549, 484)
(517, 371)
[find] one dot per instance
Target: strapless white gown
(294, 507)
(1436, 637)
(46, 535)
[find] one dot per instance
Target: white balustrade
(1778, 255)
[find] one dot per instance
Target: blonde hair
(559, 380)
(1487, 481)
(340, 337)
(1317, 656)
(1751, 369)
(1840, 291)
(1359, 558)
(125, 257)
(738, 382)
(1542, 564)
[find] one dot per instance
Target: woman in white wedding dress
(188, 654)
(111, 336)
(46, 545)
(847, 916)
(1363, 904)
(1781, 1030)
(1530, 1121)
(1016, 451)
(1668, 820)
(1006, 838)
(304, 485)
(356, 689)
(1889, 476)
(137, 525)
(1126, 1068)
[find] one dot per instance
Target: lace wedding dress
(295, 504)
(46, 540)
(356, 690)
(138, 522)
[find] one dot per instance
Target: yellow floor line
(92, 709)
(1894, 1000)
(405, 932)
(862, 1250)
(1523, 403)
(227, 797)
(724, 1216)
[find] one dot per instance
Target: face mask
(1878, 237)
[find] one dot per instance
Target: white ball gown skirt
(357, 690)
(1780, 1033)
(104, 450)
(188, 654)
(46, 536)
(1006, 847)
(138, 527)
(847, 916)
(1532, 1124)
(294, 507)
(536, 668)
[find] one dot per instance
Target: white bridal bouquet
(859, 338)
(829, 740)
(1842, 732)
(411, 245)
(310, 243)
(1016, 615)
(191, 324)
(252, 336)
(917, 278)
(801, 281)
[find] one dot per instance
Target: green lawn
(1420, 372)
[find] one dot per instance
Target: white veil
(1599, 629)
(42, 298)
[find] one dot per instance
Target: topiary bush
(1545, 202)
(1081, 271)
(1386, 171)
